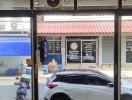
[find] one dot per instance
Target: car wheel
(60, 97)
(126, 97)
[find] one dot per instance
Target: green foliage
(3, 66)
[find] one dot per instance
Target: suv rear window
(73, 79)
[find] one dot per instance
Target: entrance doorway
(82, 50)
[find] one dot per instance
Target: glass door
(89, 51)
(86, 45)
(126, 57)
(15, 51)
(74, 51)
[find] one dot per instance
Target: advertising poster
(89, 51)
(73, 51)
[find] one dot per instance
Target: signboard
(88, 51)
(73, 51)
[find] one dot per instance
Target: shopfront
(50, 49)
(93, 45)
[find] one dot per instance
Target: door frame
(117, 12)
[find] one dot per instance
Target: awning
(83, 28)
(15, 46)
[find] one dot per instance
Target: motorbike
(21, 91)
(24, 85)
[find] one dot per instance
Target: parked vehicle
(26, 80)
(21, 91)
(24, 84)
(83, 85)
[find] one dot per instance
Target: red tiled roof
(89, 28)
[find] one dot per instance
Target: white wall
(108, 50)
(12, 61)
(63, 49)
(123, 50)
(100, 51)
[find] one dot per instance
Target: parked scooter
(24, 84)
(21, 91)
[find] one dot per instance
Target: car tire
(126, 96)
(60, 97)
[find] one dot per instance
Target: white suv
(80, 85)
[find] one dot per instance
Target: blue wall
(57, 57)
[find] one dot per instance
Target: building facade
(85, 44)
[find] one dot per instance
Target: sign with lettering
(89, 51)
(73, 51)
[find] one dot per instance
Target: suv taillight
(51, 85)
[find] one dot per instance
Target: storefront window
(14, 4)
(88, 51)
(54, 44)
(73, 51)
(129, 51)
(97, 4)
(127, 4)
(81, 49)
(126, 58)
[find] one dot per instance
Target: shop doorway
(82, 51)
(89, 51)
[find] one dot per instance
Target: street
(8, 89)
(8, 92)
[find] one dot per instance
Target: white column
(100, 51)
(63, 49)
(123, 50)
